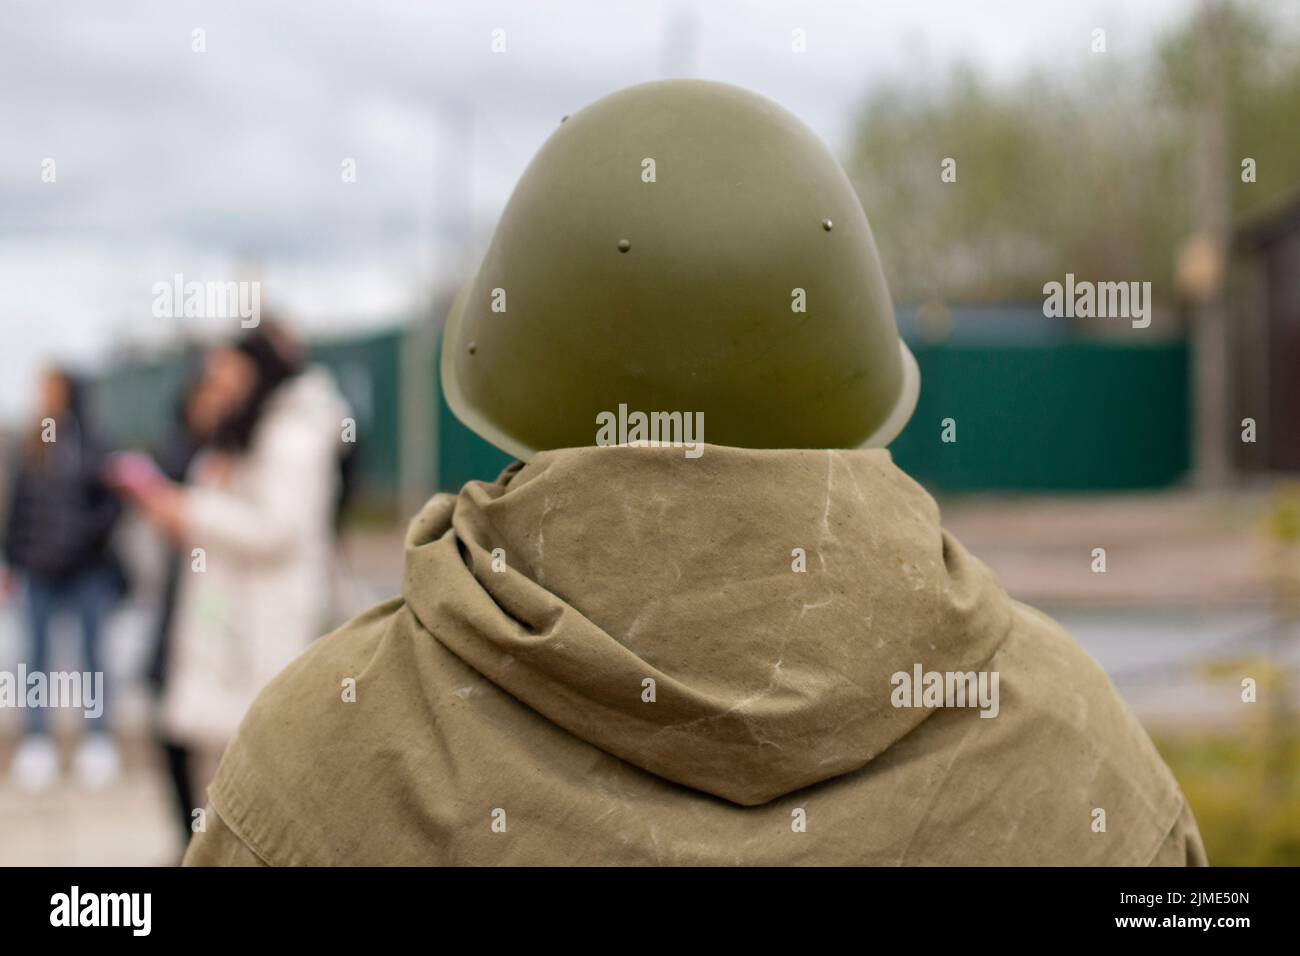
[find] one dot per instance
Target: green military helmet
(681, 246)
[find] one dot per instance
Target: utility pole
(1213, 458)
(679, 43)
(451, 212)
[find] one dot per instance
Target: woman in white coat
(256, 523)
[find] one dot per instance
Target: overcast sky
(173, 161)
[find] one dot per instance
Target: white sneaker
(97, 763)
(36, 765)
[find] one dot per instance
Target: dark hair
(76, 387)
(274, 364)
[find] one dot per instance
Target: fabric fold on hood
(624, 594)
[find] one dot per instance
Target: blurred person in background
(60, 522)
(255, 528)
(197, 417)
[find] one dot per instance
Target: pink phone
(131, 470)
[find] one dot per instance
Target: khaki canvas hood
(625, 655)
(620, 593)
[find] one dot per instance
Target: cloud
(171, 161)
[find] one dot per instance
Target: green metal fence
(1045, 416)
(1065, 416)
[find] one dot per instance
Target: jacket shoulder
(294, 754)
(1069, 725)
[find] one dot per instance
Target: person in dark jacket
(60, 522)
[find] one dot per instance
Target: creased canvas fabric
(627, 656)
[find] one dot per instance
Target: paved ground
(1167, 549)
(1186, 584)
(127, 824)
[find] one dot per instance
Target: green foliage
(1091, 172)
(1283, 520)
(1245, 793)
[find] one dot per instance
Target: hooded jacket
(625, 656)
